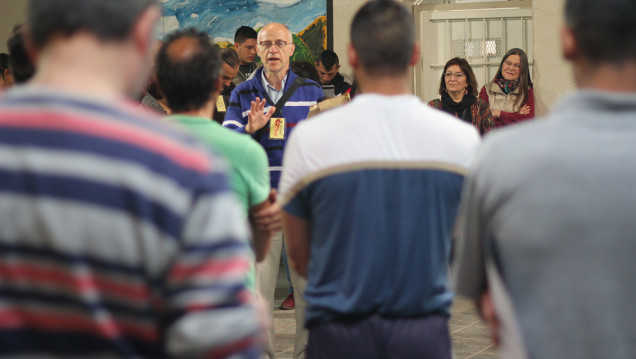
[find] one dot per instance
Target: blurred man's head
(600, 31)
(245, 44)
(382, 39)
(230, 67)
(328, 66)
(275, 47)
(120, 28)
(20, 63)
(189, 70)
(6, 79)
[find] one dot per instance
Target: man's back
(379, 180)
(555, 204)
(110, 226)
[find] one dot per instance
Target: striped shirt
(119, 236)
(294, 111)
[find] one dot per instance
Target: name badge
(220, 104)
(277, 128)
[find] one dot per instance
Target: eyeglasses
(509, 63)
(279, 44)
(458, 75)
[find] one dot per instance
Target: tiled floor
(469, 334)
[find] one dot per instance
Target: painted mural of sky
(221, 18)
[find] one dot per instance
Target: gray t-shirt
(550, 207)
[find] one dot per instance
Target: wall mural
(308, 20)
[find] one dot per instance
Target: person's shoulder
(435, 103)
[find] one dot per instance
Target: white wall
(11, 13)
(343, 12)
(552, 75)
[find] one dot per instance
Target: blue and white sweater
(294, 111)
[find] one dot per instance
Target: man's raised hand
(256, 119)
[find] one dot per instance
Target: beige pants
(266, 277)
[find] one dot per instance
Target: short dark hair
(20, 63)
(189, 82)
(243, 33)
(605, 31)
(4, 63)
(328, 59)
(106, 19)
(382, 33)
(230, 57)
(305, 69)
(471, 80)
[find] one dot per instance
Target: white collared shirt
(273, 94)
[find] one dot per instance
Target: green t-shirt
(249, 176)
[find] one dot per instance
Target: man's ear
(569, 47)
(143, 29)
(353, 57)
(338, 68)
(415, 56)
(29, 46)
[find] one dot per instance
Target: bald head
(188, 70)
(275, 27)
(275, 47)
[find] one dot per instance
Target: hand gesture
(256, 119)
(525, 110)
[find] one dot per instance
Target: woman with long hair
(458, 91)
(510, 93)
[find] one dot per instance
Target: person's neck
(82, 64)
(207, 111)
(383, 85)
(245, 63)
(275, 79)
(606, 77)
(457, 96)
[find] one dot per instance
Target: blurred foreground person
(369, 208)
(190, 72)
(119, 237)
(547, 233)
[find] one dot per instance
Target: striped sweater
(294, 111)
(119, 237)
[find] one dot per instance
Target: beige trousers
(266, 277)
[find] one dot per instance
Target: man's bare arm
(297, 234)
(265, 219)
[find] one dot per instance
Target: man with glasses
(268, 107)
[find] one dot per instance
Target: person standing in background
(245, 47)
(458, 90)
(510, 93)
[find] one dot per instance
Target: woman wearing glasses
(510, 93)
(458, 88)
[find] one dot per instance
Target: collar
(269, 87)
